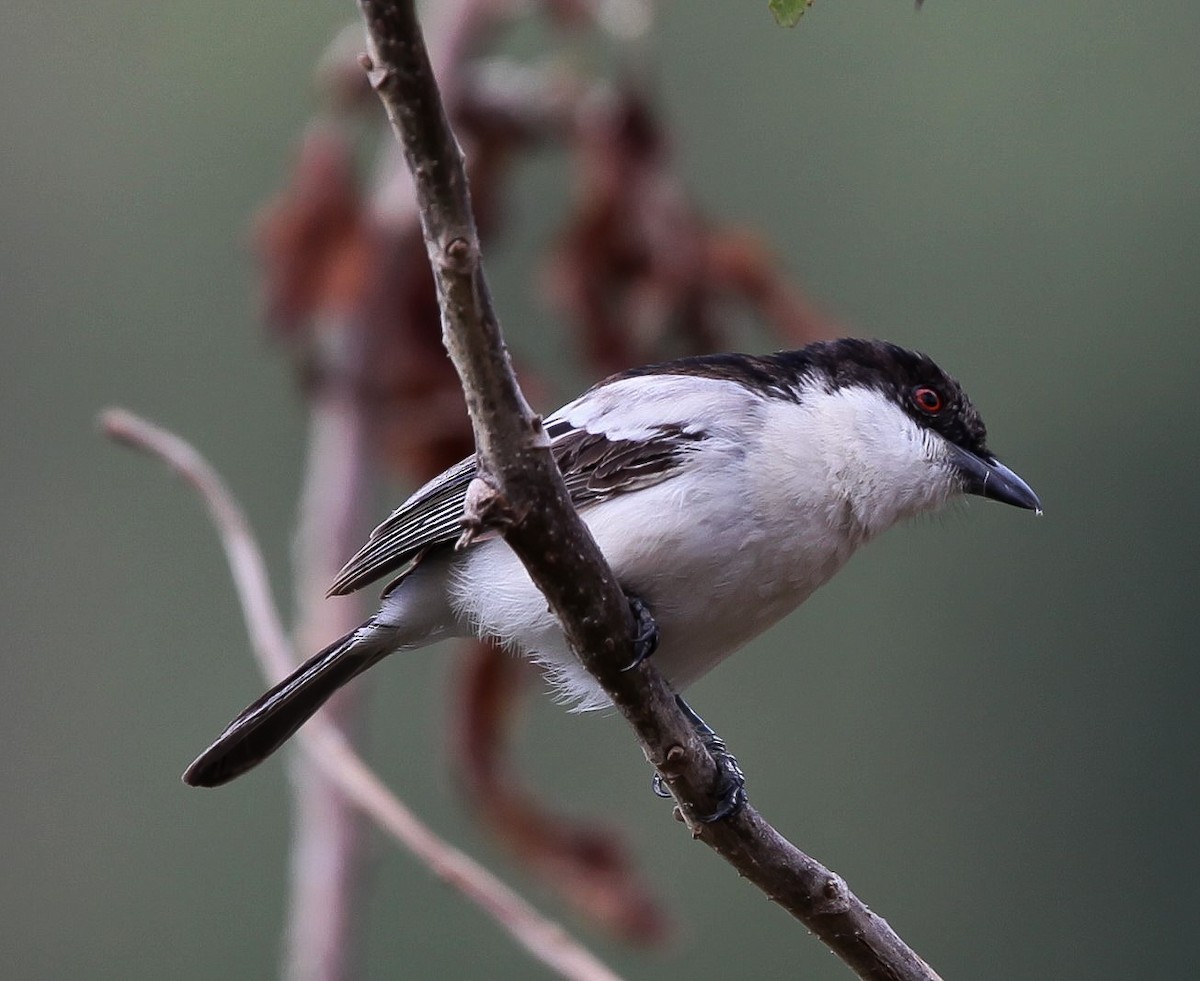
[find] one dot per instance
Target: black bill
(986, 476)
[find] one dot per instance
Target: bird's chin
(985, 476)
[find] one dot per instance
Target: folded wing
(594, 467)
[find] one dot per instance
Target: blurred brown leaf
(637, 269)
(311, 238)
(588, 865)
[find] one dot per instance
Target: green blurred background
(987, 723)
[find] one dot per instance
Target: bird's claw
(645, 631)
(732, 792)
(731, 788)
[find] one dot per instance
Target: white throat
(856, 455)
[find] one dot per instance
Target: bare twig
(268, 639)
(542, 528)
(327, 842)
(321, 741)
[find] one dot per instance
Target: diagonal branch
(521, 491)
(322, 742)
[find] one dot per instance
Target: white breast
(765, 513)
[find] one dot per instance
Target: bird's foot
(731, 790)
(645, 631)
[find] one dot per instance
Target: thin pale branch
(268, 639)
(327, 846)
(521, 492)
(322, 742)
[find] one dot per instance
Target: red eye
(927, 400)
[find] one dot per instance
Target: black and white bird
(722, 490)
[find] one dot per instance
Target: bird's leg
(732, 791)
(645, 631)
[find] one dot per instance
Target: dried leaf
(587, 865)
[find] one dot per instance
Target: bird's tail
(268, 723)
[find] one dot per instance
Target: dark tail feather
(267, 724)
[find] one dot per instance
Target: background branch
(521, 491)
(327, 841)
(321, 741)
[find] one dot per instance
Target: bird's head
(899, 434)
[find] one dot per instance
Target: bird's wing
(595, 465)
(432, 515)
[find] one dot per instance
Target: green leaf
(788, 12)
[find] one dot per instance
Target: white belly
(711, 583)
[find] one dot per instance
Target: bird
(723, 490)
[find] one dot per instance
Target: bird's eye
(927, 400)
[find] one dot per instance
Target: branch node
(458, 255)
(537, 430)
(675, 760)
(834, 899)
(380, 75)
(485, 509)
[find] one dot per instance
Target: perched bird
(722, 490)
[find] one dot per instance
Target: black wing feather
(594, 467)
(432, 515)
